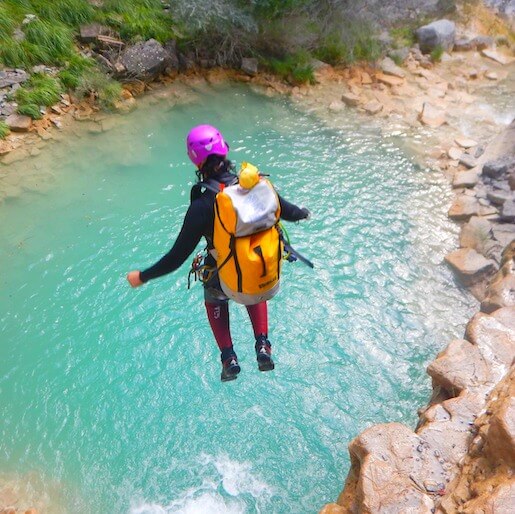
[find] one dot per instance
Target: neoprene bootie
(264, 353)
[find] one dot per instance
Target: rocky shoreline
(461, 456)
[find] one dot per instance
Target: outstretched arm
(189, 236)
(290, 212)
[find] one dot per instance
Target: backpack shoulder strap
(196, 190)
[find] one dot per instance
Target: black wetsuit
(198, 223)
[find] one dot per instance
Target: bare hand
(134, 279)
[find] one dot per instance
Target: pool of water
(112, 395)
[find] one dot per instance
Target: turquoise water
(112, 395)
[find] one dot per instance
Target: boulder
(373, 107)
(464, 45)
(144, 60)
(19, 122)
(483, 42)
(390, 465)
(469, 266)
(504, 233)
(494, 334)
(454, 153)
(508, 211)
(501, 290)
(475, 233)
(439, 34)
(466, 178)
(498, 196)
(498, 168)
(432, 116)
(11, 77)
(333, 508)
(389, 80)
(467, 160)
(465, 142)
(498, 57)
(172, 59)
(390, 68)
(249, 65)
(463, 208)
(460, 367)
(89, 33)
(350, 99)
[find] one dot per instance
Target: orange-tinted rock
(19, 122)
(389, 80)
(432, 116)
(333, 508)
(463, 208)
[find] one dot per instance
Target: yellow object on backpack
(246, 239)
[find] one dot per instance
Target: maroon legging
(218, 315)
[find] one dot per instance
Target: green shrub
(106, 90)
(31, 110)
(68, 12)
(138, 19)
(4, 129)
(54, 40)
(76, 67)
(270, 9)
(296, 68)
(39, 90)
(332, 50)
(7, 23)
(402, 37)
(436, 53)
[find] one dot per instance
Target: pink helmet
(205, 140)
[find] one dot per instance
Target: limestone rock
(389, 80)
(388, 472)
(465, 142)
(494, 334)
(336, 106)
(440, 33)
(19, 122)
(470, 266)
(144, 60)
(475, 233)
(333, 508)
(498, 196)
(454, 153)
(464, 45)
(12, 77)
(463, 208)
(499, 500)
(491, 75)
(504, 233)
(483, 42)
(373, 107)
(249, 65)
(501, 290)
(390, 68)
(498, 57)
(467, 160)
(467, 178)
(350, 99)
(460, 367)
(508, 211)
(432, 116)
(498, 167)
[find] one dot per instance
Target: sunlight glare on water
(115, 395)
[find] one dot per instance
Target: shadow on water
(115, 392)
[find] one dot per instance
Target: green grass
(75, 70)
(4, 129)
(296, 68)
(403, 36)
(138, 19)
(54, 40)
(40, 90)
(106, 90)
(7, 23)
(69, 12)
(332, 50)
(436, 53)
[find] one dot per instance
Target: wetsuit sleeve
(193, 228)
(290, 212)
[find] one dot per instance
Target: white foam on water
(220, 475)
